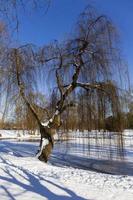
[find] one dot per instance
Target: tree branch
(21, 85)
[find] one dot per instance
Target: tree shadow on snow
(113, 167)
(18, 148)
(30, 182)
(59, 159)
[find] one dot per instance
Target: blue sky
(41, 28)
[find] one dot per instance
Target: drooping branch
(58, 78)
(102, 86)
(21, 85)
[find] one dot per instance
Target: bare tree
(88, 61)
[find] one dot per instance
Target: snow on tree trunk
(45, 150)
(47, 131)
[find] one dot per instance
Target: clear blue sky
(40, 28)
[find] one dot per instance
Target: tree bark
(46, 143)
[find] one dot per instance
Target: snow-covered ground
(17, 134)
(24, 177)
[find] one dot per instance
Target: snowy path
(23, 177)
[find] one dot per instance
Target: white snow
(44, 143)
(18, 134)
(24, 177)
(46, 124)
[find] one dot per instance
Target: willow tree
(88, 60)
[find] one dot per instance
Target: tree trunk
(46, 143)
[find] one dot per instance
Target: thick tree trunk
(45, 152)
(46, 143)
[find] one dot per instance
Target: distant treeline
(85, 114)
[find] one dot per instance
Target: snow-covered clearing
(24, 177)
